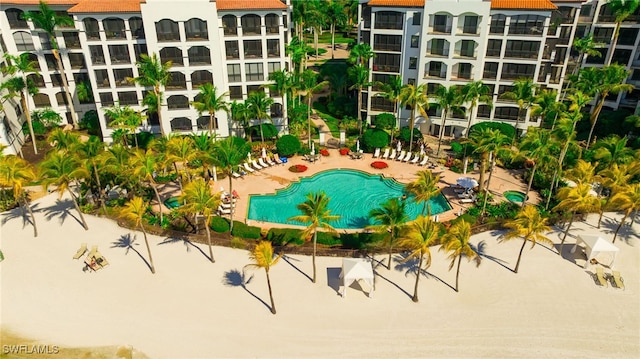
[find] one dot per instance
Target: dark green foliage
(38, 127)
(284, 236)
(268, 130)
(405, 134)
(457, 148)
(91, 123)
(328, 239)
(385, 121)
(244, 231)
(288, 145)
(165, 179)
(343, 106)
(297, 113)
(144, 138)
(219, 224)
(613, 122)
(374, 138)
(506, 129)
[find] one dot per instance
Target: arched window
(250, 25)
(137, 29)
(230, 24)
(36, 79)
(24, 41)
(199, 55)
(276, 110)
(272, 23)
(41, 100)
(201, 77)
(177, 81)
(198, 98)
(203, 123)
(91, 28)
(181, 124)
(177, 101)
(172, 54)
(196, 29)
(61, 98)
(114, 28)
(33, 58)
(15, 19)
(167, 30)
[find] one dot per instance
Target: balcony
(441, 29)
(514, 54)
(388, 25)
(386, 68)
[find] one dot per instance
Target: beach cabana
(595, 245)
(356, 269)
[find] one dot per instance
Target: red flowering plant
(379, 165)
(324, 152)
(344, 151)
(298, 168)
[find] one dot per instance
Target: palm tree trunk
(100, 191)
(333, 38)
(75, 204)
(360, 110)
(146, 242)
(273, 305)
(515, 135)
(526, 195)
(313, 259)
(27, 114)
(483, 166)
(156, 91)
(415, 288)
(458, 271)
(396, 119)
(155, 190)
(626, 214)
(411, 125)
(594, 117)
(515, 270)
(261, 132)
(315, 40)
(210, 124)
(553, 180)
(206, 226)
(65, 85)
(614, 42)
(309, 119)
(566, 231)
(444, 120)
(33, 218)
(486, 192)
(232, 210)
(605, 205)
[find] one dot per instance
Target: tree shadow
(410, 266)
(60, 209)
(20, 212)
(187, 244)
(625, 233)
(288, 259)
(377, 274)
(235, 278)
(125, 241)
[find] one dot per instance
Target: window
(32, 58)
(388, 20)
(102, 78)
(235, 92)
(77, 61)
(24, 41)
(507, 113)
(413, 63)
(436, 69)
(252, 48)
(585, 10)
(71, 40)
(122, 76)
(114, 28)
(516, 71)
(172, 54)
(440, 24)
(52, 65)
(136, 27)
(250, 25)
(177, 101)
(522, 49)
(91, 28)
(272, 23)
(387, 42)
(15, 19)
(177, 81)
(417, 18)
(464, 71)
(167, 30)
(41, 100)
(139, 49)
(273, 67)
(45, 41)
(56, 80)
(119, 54)
(233, 71)
(621, 56)
(201, 77)
(438, 47)
(490, 70)
(199, 55)
(254, 88)
(381, 104)
(61, 99)
(627, 36)
(470, 25)
(254, 72)
(494, 48)
(232, 50)
(230, 25)
(181, 124)
(106, 99)
(203, 122)
(498, 23)
(386, 63)
(602, 34)
(532, 25)
(128, 98)
(276, 110)
(415, 41)
(468, 48)
(36, 79)
(484, 111)
(196, 30)
(273, 48)
(411, 81)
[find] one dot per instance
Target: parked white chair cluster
(403, 156)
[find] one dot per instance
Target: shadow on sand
(60, 209)
(187, 244)
(19, 212)
(235, 278)
(289, 261)
(125, 241)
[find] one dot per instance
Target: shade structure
(357, 145)
(356, 269)
(313, 148)
(249, 156)
(594, 245)
(467, 182)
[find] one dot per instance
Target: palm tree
(240, 114)
(577, 199)
(24, 86)
(391, 91)
(447, 99)
(546, 106)
(456, 242)
(90, 152)
(337, 17)
(523, 93)
(315, 211)
(538, 147)
(144, 165)
(180, 149)
(134, 210)
(48, 20)
(621, 10)
(613, 150)
(263, 256)
(114, 160)
(583, 172)
(390, 217)
(564, 133)
(258, 105)
(475, 92)
(62, 170)
(530, 226)
(615, 178)
(627, 200)
(197, 199)
(415, 97)
(153, 73)
(488, 143)
(62, 140)
(316, 19)
(360, 54)
(585, 46)
(210, 102)
(126, 119)
(282, 84)
(297, 51)
(359, 74)
(419, 236)
(309, 86)
(16, 173)
(424, 188)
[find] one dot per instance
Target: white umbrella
(249, 156)
(467, 182)
(264, 152)
(313, 148)
(358, 146)
(399, 147)
(422, 149)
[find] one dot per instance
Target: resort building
(11, 117)
(233, 44)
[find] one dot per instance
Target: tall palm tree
(360, 54)
(616, 178)
(419, 236)
(48, 20)
(585, 46)
(258, 105)
(180, 149)
(546, 106)
(155, 74)
(310, 86)
(563, 133)
(583, 172)
(134, 210)
(613, 150)
(627, 200)
(538, 147)
(448, 99)
(297, 51)
(621, 9)
(424, 188)
(523, 93)
(240, 114)
(62, 140)
(90, 152)
(211, 103)
(359, 74)
(316, 19)
(577, 199)
(282, 84)
(337, 17)
(456, 242)
(316, 213)
(62, 170)
(415, 97)
(488, 143)
(391, 91)
(475, 92)
(16, 173)
(23, 65)
(263, 256)
(126, 119)
(113, 161)
(390, 217)
(529, 225)
(199, 200)
(144, 165)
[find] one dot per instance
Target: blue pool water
(352, 195)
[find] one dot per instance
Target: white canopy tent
(355, 269)
(595, 245)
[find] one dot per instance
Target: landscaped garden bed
(379, 165)
(298, 168)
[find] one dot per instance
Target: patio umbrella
(264, 152)
(357, 145)
(399, 147)
(467, 182)
(422, 149)
(249, 156)
(313, 148)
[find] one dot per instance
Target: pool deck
(277, 177)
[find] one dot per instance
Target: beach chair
(471, 199)
(424, 161)
(393, 154)
(408, 157)
(262, 163)
(248, 168)
(81, 251)
(277, 160)
(401, 155)
(385, 155)
(236, 174)
(269, 161)
(415, 159)
(617, 280)
(222, 210)
(256, 165)
(601, 278)
(93, 252)
(376, 153)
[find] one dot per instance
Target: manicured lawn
(325, 38)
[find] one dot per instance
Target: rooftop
(495, 4)
(102, 6)
(249, 4)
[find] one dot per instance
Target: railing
(442, 29)
(473, 30)
(273, 29)
(230, 31)
(388, 25)
(386, 68)
(497, 29)
(439, 52)
(252, 30)
(115, 35)
(199, 60)
(521, 54)
(387, 47)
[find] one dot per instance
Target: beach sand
(192, 308)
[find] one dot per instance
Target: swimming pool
(172, 202)
(514, 196)
(352, 195)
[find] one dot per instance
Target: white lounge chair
(269, 161)
(407, 157)
(424, 161)
(386, 154)
(248, 168)
(222, 210)
(236, 174)
(393, 154)
(227, 205)
(277, 160)
(471, 199)
(376, 153)
(256, 165)
(262, 163)
(401, 155)
(415, 159)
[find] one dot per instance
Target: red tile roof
(249, 4)
(397, 3)
(523, 4)
(107, 6)
(36, 2)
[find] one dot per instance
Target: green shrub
(244, 231)
(405, 134)
(238, 243)
(284, 236)
(288, 145)
(385, 121)
(219, 224)
(329, 239)
(374, 138)
(91, 123)
(507, 129)
(268, 131)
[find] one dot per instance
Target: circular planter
(298, 168)
(379, 165)
(324, 152)
(344, 151)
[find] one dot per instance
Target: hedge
(506, 129)
(219, 224)
(374, 138)
(245, 231)
(288, 145)
(283, 236)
